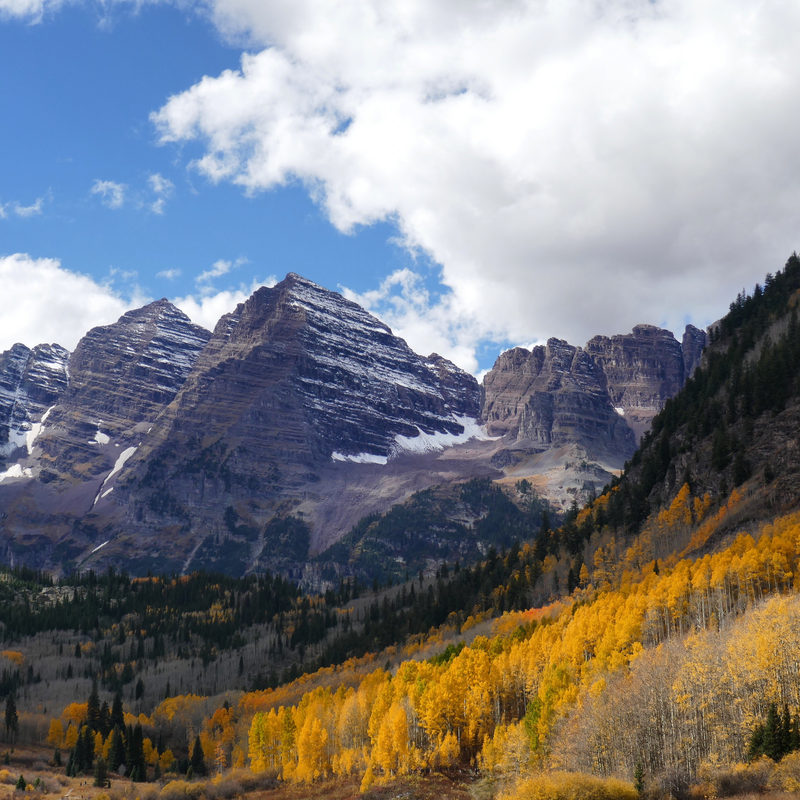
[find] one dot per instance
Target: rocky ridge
(570, 417)
(165, 447)
(31, 380)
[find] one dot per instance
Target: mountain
(735, 422)
(163, 446)
(301, 405)
(105, 397)
(570, 417)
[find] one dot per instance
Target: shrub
(180, 790)
(786, 775)
(571, 786)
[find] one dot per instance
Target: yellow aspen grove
(312, 751)
(55, 736)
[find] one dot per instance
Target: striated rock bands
(30, 382)
(121, 377)
(553, 396)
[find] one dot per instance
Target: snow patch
(107, 491)
(100, 438)
(16, 471)
(361, 458)
(123, 457)
(620, 411)
(431, 442)
(100, 545)
(46, 414)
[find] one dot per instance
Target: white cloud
(112, 194)
(29, 211)
(163, 188)
(33, 210)
(218, 269)
(206, 309)
(43, 302)
(29, 10)
(575, 168)
(169, 274)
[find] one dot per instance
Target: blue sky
(477, 174)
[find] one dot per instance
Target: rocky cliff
(570, 417)
(552, 396)
(30, 382)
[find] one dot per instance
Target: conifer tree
(116, 753)
(11, 717)
(117, 714)
(772, 734)
(755, 747)
(198, 759)
(101, 773)
(93, 709)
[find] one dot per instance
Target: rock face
(553, 396)
(100, 404)
(30, 382)
(570, 417)
(642, 370)
(121, 377)
(694, 342)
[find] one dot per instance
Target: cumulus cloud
(112, 195)
(205, 309)
(44, 302)
(574, 168)
(169, 274)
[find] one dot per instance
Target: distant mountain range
(157, 445)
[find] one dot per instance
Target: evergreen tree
(772, 734)
(105, 720)
(786, 732)
(755, 748)
(93, 709)
(136, 763)
(117, 714)
(57, 758)
(79, 755)
(21, 784)
(88, 748)
(794, 737)
(638, 777)
(198, 759)
(12, 718)
(116, 753)
(101, 773)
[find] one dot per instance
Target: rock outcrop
(121, 377)
(31, 381)
(642, 370)
(570, 417)
(552, 396)
(694, 342)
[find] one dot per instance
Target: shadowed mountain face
(157, 445)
